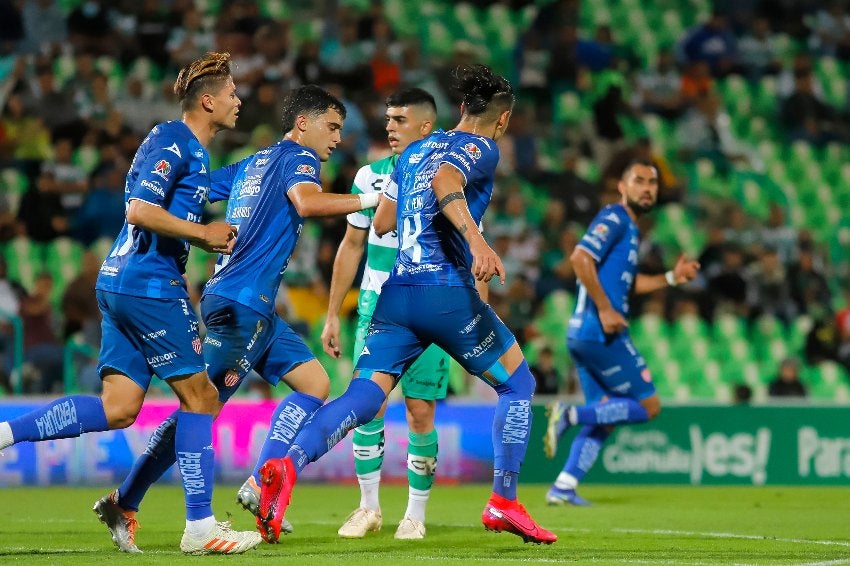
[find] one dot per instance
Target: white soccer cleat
(410, 529)
(360, 522)
(121, 524)
(221, 540)
(248, 497)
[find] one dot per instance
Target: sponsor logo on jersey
(601, 231)
(162, 168)
(415, 158)
(154, 335)
(212, 341)
(196, 344)
(231, 378)
(305, 169)
(199, 153)
(203, 169)
(472, 151)
(174, 149)
(153, 187)
(365, 351)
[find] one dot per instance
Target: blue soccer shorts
(144, 336)
(240, 339)
(409, 318)
(611, 369)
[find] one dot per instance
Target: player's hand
(330, 336)
(685, 270)
(612, 321)
(219, 237)
(485, 262)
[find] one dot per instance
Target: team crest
(472, 151)
(305, 169)
(601, 231)
(231, 378)
(196, 345)
(162, 168)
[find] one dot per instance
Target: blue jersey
(268, 223)
(612, 239)
(431, 250)
(170, 170)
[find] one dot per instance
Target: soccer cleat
(501, 514)
(556, 424)
(360, 522)
(410, 529)
(248, 497)
(121, 524)
(558, 496)
(277, 478)
(221, 540)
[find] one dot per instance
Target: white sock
(417, 499)
(566, 481)
(6, 438)
(572, 416)
(370, 484)
(201, 527)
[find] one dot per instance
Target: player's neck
(486, 128)
(203, 129)
(632, 214)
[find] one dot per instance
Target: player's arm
(585, 268)
(385, 219)
(684, 271)
(344, 271)
(221, 182)
(448, 185)
(309, 201)
(213, 237)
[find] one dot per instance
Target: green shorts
(427, 378)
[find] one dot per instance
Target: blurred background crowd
(742, 104)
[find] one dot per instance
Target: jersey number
(410, 231)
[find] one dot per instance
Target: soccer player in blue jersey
(442, 186)
(149, 326)
(270, 193)
(616, 383)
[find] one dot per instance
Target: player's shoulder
(176, 138)
(613, 214)
(295, 151)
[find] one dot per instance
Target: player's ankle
(502, 502)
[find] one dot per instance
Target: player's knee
(420, 416)
(120, 416)
(202, 399)
(318, 388)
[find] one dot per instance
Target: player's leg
(368, 446)
(422, 384)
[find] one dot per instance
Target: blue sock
(584, 450)
(66, 417)
(288, 418)
(619, 410)
(196, 459)
(511, 429)
(358, 405)
(151, 465)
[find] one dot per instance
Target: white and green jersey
(380, 250)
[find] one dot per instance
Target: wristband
(368, 200)
(671, 278)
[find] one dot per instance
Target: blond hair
(200, 76)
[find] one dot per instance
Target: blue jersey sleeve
(304, 167)
(475, 157)
(221, 181)
(161, 167)
(605, 231)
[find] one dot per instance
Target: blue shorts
(409, 318)
(240, 339)
(611, 369)
(144, 336)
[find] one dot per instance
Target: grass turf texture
(625, 525)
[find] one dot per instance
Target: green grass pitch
(626, 525)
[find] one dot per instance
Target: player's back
(170, 170)
(268, 223)
(612, 239)
(431, 250)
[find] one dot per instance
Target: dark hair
(208, 73)
(637, 161)
(311, 100)
(482, 89)
(410, 97)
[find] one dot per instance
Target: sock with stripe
(421, 467)
(619, 410)
(288, 418)
(583, 454)
(511, 429)
(66, 417)
(368, 447)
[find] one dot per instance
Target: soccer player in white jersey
(410, 116)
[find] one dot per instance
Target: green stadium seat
(25, 259)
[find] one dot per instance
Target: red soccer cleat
(501, 514)
(277, 478)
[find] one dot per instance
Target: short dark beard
(638, 208)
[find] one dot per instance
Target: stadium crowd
(81, 83)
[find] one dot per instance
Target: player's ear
(207, 102)
(301, 122)
(426, 127)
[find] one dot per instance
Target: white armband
(368, 200)
(671, 278)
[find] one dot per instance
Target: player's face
(639, 187)
(323, 133)
(405, 126)
(225, 107)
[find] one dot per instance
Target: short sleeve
(304, 167)
(157, 174)
(605, 231)
(474, 157)
(221, 181)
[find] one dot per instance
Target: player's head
(487, 98)
(411, 114)
(313, 117)
(639, 185)
(206, 85)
